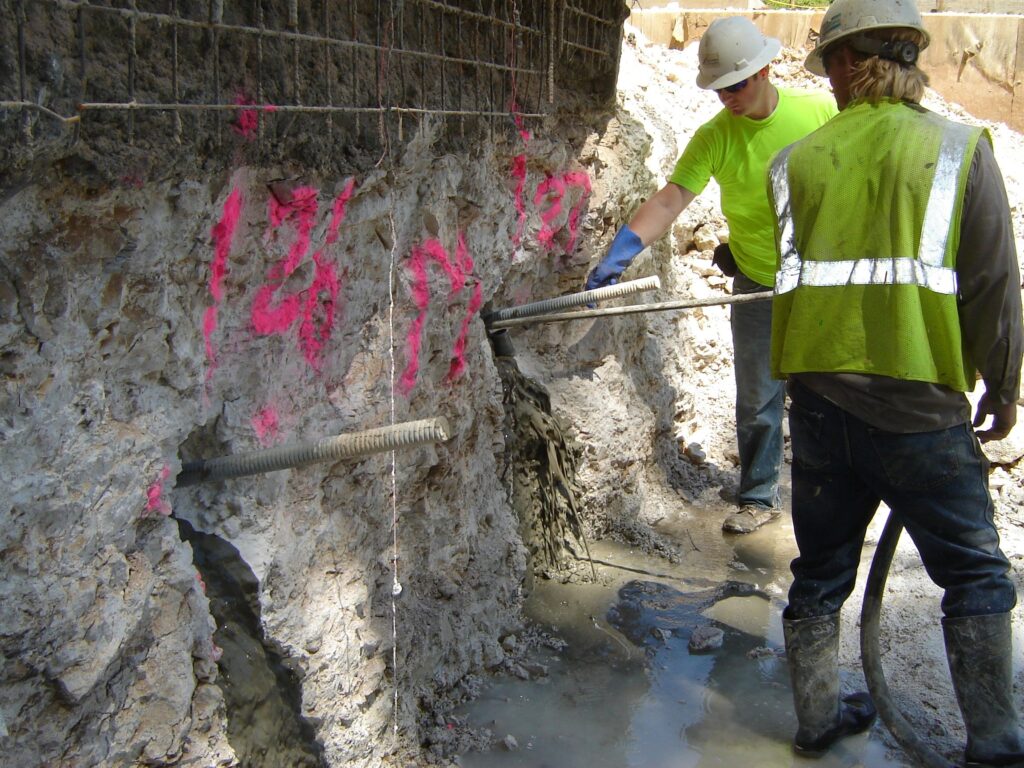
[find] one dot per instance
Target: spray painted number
(457, 269)
(275, 311)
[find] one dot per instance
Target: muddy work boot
(749, 518)
(812, 648)
(980, 656)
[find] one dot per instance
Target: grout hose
(356, 445)
(580, 299)
(871, 659)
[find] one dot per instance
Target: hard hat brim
(816, 66)
(765, 57)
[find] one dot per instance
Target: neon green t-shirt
(736, 150)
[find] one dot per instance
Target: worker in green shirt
(735, 147)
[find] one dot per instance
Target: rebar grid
(363, 58)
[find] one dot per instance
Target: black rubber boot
(812, 648)
(979, 651)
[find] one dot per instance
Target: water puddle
(628, 692)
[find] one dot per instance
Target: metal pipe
(574, 300)
(326, 449)
(634, 309)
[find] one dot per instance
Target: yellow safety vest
(868, 214)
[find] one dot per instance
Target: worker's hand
(1004, 416)
(624, 249)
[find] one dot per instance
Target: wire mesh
(187, 67)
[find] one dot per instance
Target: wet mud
(627, 689)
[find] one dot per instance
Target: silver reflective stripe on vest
(942, 197)
(926, 271)
(890, 270)
(788, 275)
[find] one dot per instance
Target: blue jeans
(759, 398)
(936, 483)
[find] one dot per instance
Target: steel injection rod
(635, 309)
(573, 300)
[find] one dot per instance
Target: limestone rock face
(152, 324)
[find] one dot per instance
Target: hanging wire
(396, 584)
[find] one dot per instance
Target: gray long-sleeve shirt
(989, 302)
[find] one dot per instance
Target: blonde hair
(874, 78)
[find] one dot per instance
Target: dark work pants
(936, 483)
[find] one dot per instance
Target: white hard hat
(731, 50)
(850, 17)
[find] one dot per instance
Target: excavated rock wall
(179, 287)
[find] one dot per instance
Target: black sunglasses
(735, 87)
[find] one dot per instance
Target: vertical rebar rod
(503, 100)
(444, 54)
(174, 73)
(293, 25)
(378, 65)
(216, 17)
(132, 54)
(477, 70)
(401, 60)
(551, 51)
(328, 69)
(81, 57)
(354, 79)
(462, 72)
(26, 120)
(492, 105)
(423, 64)
(261, 96)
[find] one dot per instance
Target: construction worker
(735, 147)
(897, 281)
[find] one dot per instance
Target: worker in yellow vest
(897, 280)
(757, 120)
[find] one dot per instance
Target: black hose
(870, 657)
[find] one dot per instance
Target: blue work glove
(624, 249)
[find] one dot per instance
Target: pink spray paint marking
(266, 424)
(316, 305)
(582, 180)
(465, 264)
(322, 296)
(519, 174)
(420, 291)
(314, 333)
(156, 504)
(553, 190)
(222, 234)
(457, 269)
(267, 316)
(248, 121)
